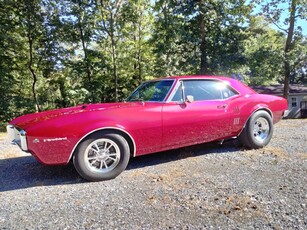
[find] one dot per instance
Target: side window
(228, 92)
(204, 90)
(178, 95)
(200, 90)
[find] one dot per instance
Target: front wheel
(258, 130)
(102, 156)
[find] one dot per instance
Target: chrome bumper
(17, 136)
(286, 113)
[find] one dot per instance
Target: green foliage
(199, 36)
(264, 53)
(285, 21)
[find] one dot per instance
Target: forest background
(60, 53)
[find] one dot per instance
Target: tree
(206, 35)
(15, 84)
(299, 75)
(78, 30)
(263, 50)
(135, 56)
(6, 60)
(39, 39)
(284, 15)
(112, 20)
(165, 37)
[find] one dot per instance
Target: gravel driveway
(201, 187)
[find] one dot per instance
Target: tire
(258, 130)
(101, 156)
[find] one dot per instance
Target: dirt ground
(207, 186)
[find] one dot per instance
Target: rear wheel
(258, 130)
(102, 156)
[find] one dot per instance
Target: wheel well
(260, 109)
(266, 110)
(128, 138)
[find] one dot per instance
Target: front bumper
(17, 136)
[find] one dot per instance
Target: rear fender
(255, 109)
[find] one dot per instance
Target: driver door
(204, 119)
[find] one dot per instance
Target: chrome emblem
(236, 121)
(55, 139)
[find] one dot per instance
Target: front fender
(53, 142)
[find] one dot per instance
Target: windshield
(152, 91)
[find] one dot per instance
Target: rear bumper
(17, 136)
(286, 113)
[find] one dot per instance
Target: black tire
(101, 156)
(258, 130)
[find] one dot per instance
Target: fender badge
(35, 141)
(55, 139)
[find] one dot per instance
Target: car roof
(236, 84)
(197, 77)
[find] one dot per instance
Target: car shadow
(25, 172)
(182, 153)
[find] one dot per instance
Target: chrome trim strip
(175, 88)
(155, 80)
(181, 80)
(100, 129)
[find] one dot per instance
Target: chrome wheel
(261, 129)
(258, 130)
(102, 155)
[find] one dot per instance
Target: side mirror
(189, 98)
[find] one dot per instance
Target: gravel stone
(208, 186)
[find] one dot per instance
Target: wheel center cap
(257, 129)
(102, 153)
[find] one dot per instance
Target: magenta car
(159, 115)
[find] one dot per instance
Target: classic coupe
(161, 114)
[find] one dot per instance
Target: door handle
(222, 106)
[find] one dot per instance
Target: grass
(2, 127)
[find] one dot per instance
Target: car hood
(35, 118)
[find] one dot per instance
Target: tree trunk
(38, 108)
(166, 69)
(288, 48)
(139, 58)
(114, 56)
(203, 51)
(86, 58)
(114, 60)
